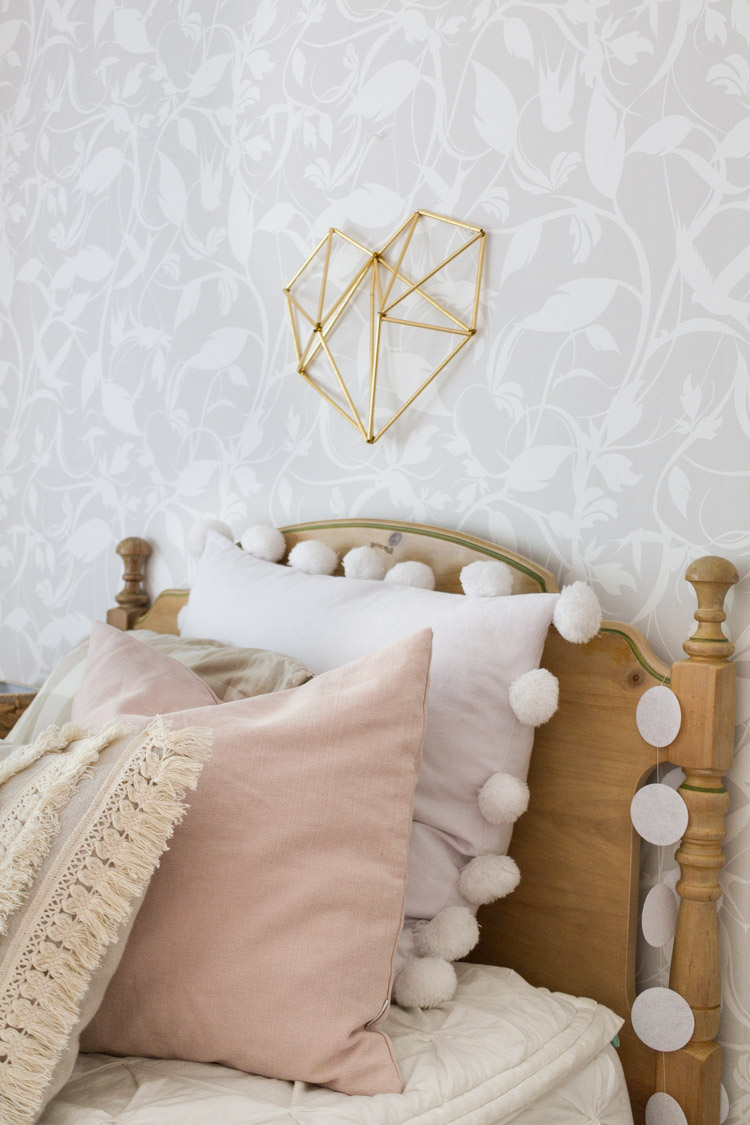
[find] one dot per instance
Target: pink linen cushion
(480, 647)
(266, 939)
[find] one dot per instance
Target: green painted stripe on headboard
(666, 680)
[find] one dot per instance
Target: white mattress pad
(499, 1047)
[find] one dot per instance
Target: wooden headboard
(571, 925)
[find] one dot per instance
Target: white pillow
(481, 646)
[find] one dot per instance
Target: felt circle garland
(662, 1019)
(658, 716)
(659, 814)
(674, 777)
(659, 915)
(662, 1109)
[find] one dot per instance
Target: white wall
(167, 167)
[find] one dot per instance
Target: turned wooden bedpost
(132, 601)
(705, 687)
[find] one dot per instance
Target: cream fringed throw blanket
(84, 818)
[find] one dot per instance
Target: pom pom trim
(487, 578)
(450, 935)
(577, 615)
(534, 697)
(412, 573)
(487, 878)
(263, 542)
(425, 982)
(364, 562)
(313, 557)
(503, 798)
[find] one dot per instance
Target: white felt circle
(723, 1106)
(659, 916)
(658, 716)
(674, 777)
(662, 1109)
(659, 814)
(662, 1019)
(672, 878)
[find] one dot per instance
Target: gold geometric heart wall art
(373, 328)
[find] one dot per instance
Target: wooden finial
(132, 601)
(711, 578)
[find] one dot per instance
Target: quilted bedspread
(501, 1051)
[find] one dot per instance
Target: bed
(570, 929)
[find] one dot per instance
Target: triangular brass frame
(382, 277)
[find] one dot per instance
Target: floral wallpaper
(166, 168)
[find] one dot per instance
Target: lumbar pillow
(267, 937)
(482, 646)
(231, 673)
(83, 820)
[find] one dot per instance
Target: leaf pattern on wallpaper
(166, 168)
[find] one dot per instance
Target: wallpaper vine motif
(165, 167)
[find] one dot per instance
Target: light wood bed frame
(571, 925)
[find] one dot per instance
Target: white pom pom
(487, 877)
(263, 542)
(412, 574)
(577, 615)
(451, 934)
(503, 798)
(364, 562)
(425, 982)
(487, 578)
(199, 531)
(534, 696)
(313, 557)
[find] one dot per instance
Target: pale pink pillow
(481, 646)
(266, 939)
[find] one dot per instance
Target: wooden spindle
(132, 601)
(704, 747)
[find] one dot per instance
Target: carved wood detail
(132, 601)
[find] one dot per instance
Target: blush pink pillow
(266, 939)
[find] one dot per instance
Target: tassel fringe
(31, 824)
(50, 741)
(111, 867)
